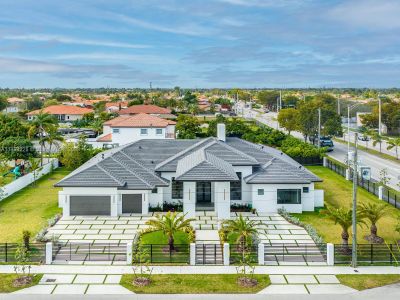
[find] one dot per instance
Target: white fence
(27, 179)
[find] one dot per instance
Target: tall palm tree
(39, 126)
(243, 227)
(377, 139)
(52, 137)
(394, 143)
(170, 224)
(373, 213)
(343, 217)
(97, 125)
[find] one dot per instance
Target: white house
(203, 174)
(127, 129)
(63, 113)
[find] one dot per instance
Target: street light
(349, 108)
(319, 128)
(354, 211)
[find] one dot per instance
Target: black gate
(209, 254)
(276, 254)
(107, 252)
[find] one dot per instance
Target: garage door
(90, 205)
(131, 203)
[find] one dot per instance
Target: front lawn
(30, 208)
(158, 237)
(6, 282)
(338, 193)
(195, 284)
(362, 282)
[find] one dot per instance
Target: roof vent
(221, 132)
(140, 147)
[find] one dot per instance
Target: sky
(199, 43)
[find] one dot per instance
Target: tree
(11, 126)
(244, 228)
(34, 166)
(189, 98)
(394, 143)
(39, 126)
(3, 104)
(365, 132)
(307, 119)
(97, 125)
(188, 127)
(290, 101)
(373, 213)
(170, 224)
(34, 103)
(343, 217)
(268, 98)
(14, 148)
(383, 177)
(74, 155)
(377, 139)
(52, 137)
(288, 118)
(50, 102)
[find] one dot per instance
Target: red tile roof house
(116, 106)
(148, 109)
(126, 129)
(63, 113)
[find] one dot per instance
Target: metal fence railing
(277, 254)
(239, 253)
(36, 252)
(209, 254)
(161, 253)
(372, 186)
(369, 254)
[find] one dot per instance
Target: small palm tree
(39, 126)
(343, 217)
(377, 139)
(34, 166)
(243, 227)
(170, 224)
(52, 137)
(373, 213)
(394, 143)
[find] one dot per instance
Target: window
(306, 189)
(115, 130)
(177, 189)
(159, 131)
(289, 196)
(236, 188)
(154, 191)
(260, 192)
(143, 131)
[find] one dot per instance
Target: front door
(203, 192)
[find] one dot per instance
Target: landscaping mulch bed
(22, 281)
(141, 281)
(247, 282)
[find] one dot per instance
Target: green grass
(30, 208)
(194, 284)
(338, 193)
(6, 282)
(363, 282)
(158, 237)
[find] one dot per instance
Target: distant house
(147, 109)
(15, 105)
(116, 106)
(126, 129)
(63, 113)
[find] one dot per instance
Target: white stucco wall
(128, 135)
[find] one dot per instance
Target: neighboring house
(63, 113)
(203, 174)
(145, 109)
(116, 106)
(127, 129)
(15, 105)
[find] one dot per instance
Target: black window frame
(176, 189)
(280, 201)
(236, 188)
(154, 191)
(306, 189)
(260, 192)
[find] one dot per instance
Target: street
(340, 151)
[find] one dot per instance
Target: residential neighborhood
(214, 149)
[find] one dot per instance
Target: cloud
(70, 40)
(265, 3)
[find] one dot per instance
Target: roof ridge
(110, 174)
(217, 159)
(234, 150)
(263, 168)
(163, 163)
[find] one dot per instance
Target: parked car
(363, 138)
(326, 141)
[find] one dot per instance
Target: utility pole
(354, 212)
(277, 105)
(380, 116)
(319, 128)
(280, 99)
(348, 130)
(338, 106)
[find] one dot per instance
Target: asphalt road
(340, 152)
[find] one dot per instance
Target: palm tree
(394, 143)
(97, 125)
(373, 213)
(52, 137)
(34, 167)
(243, 227)
(170, 224)
(377, 138)
(39, 126)
(343, 217)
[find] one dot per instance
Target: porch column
(222, 198)
(189, 199)
(145, 202)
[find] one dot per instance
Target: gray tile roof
(139, 165)
(204, 166)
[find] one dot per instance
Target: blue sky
(200, 43)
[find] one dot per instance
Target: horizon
(251, 44)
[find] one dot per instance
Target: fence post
(380, 192)
(49, 253)
(347, 174)
(325, 161)
(226, 254)
(330, 254)
(261, 258)
(129, 250)
(192, 254)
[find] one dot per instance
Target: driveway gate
(275, 254)
(209, 254)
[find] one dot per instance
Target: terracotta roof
(117, 104)
(15, 100)
(62, 110)
(139, 120)
(105, 138)
(146, 109)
